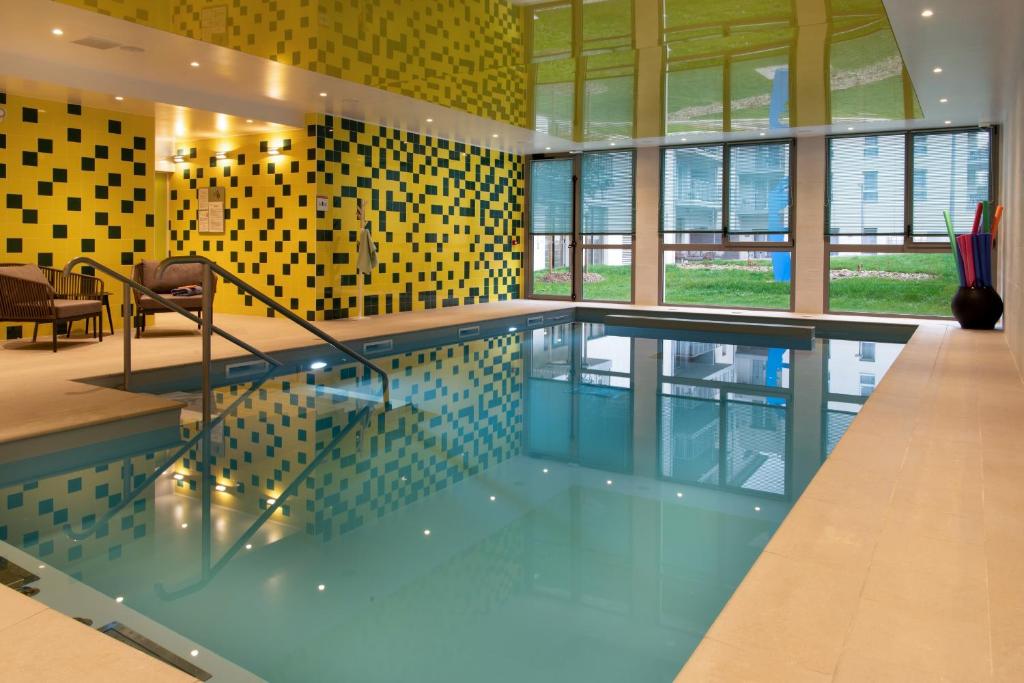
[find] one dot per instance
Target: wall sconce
(273, 151)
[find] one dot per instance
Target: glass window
(692, 189)
(865, 185)
(759, 188)
(551, 200)
(739, 279)
(607, 186)
(907, 283)
(956, 166)
(552, 265)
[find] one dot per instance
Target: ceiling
(586, 75)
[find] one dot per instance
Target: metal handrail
(266, 300)
(130, 284)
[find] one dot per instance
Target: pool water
(561, 504)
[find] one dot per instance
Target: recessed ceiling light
(949, 123)
(248, 546)
(221, 487)
(682, 139)
(119, 98)
(548, 149)
(430, 120)
(323, 94)
(194, 653)
(194, 65)
(937, 70)
(927, 13)
(849, 128)
(426, 532)
(57, 32)
(763, 134)
(321, 587)
(943, 100)
(757, 508)
(494, 135)
(494, 498)
(271, 501)
(609, 482)
(612, 144)
(184, 525)
(248, 120)
(119, 598)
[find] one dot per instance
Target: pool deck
(899, 562)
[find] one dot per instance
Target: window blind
(691, 191)
(866, 185)
(607, 187)
(551, 200)
(951, 173)
(759, 188)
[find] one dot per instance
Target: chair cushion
(174, 276)
(189, 303)
(75, 308)
(28, 273)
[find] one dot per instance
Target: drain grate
(15, 576)
(119, 631)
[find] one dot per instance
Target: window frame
(577, 245)
(910, 245)
(726, 244)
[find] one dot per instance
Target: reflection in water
(583, 69)
(591, 500)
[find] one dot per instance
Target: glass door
(552, 228)
(581, 227)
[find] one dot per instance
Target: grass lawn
(751, 289)
(875, 295)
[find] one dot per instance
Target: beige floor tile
(50, 646)
(847, 483)
(925, 554)
(795, 610)
(920, 639)
(949, 594)
(915, 520)
(15, 607)
(717, 662)
(822, 531)
(859, 669)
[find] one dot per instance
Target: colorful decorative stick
(977, 218)
(995, 221)
(967, 256)
(954, 250)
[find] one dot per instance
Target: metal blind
(759, 188)
(691, 189)
(950, 172)
(551, 196)
(866, 185)
(607, 186)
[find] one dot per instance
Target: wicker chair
(173, 277)
(39, 295)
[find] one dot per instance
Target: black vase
(977, 308)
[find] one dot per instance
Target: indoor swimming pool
(567, 503)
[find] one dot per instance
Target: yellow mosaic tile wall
(466, 54)
(269, 236)
(446, 219)
(73, 181)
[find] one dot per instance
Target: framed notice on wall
(210, 214)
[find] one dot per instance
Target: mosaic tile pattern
(74, 181)
(33, 514)
(269, 236)
(446, 219)
(465, 55)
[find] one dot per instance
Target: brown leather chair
(34, 294)
(173, 277)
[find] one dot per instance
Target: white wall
(1011, 239)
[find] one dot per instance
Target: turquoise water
(562, 504)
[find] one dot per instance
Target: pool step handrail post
(126, 321)
(287, 313)
(130, 284)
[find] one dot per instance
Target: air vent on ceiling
(132, 48)
(96, 43)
